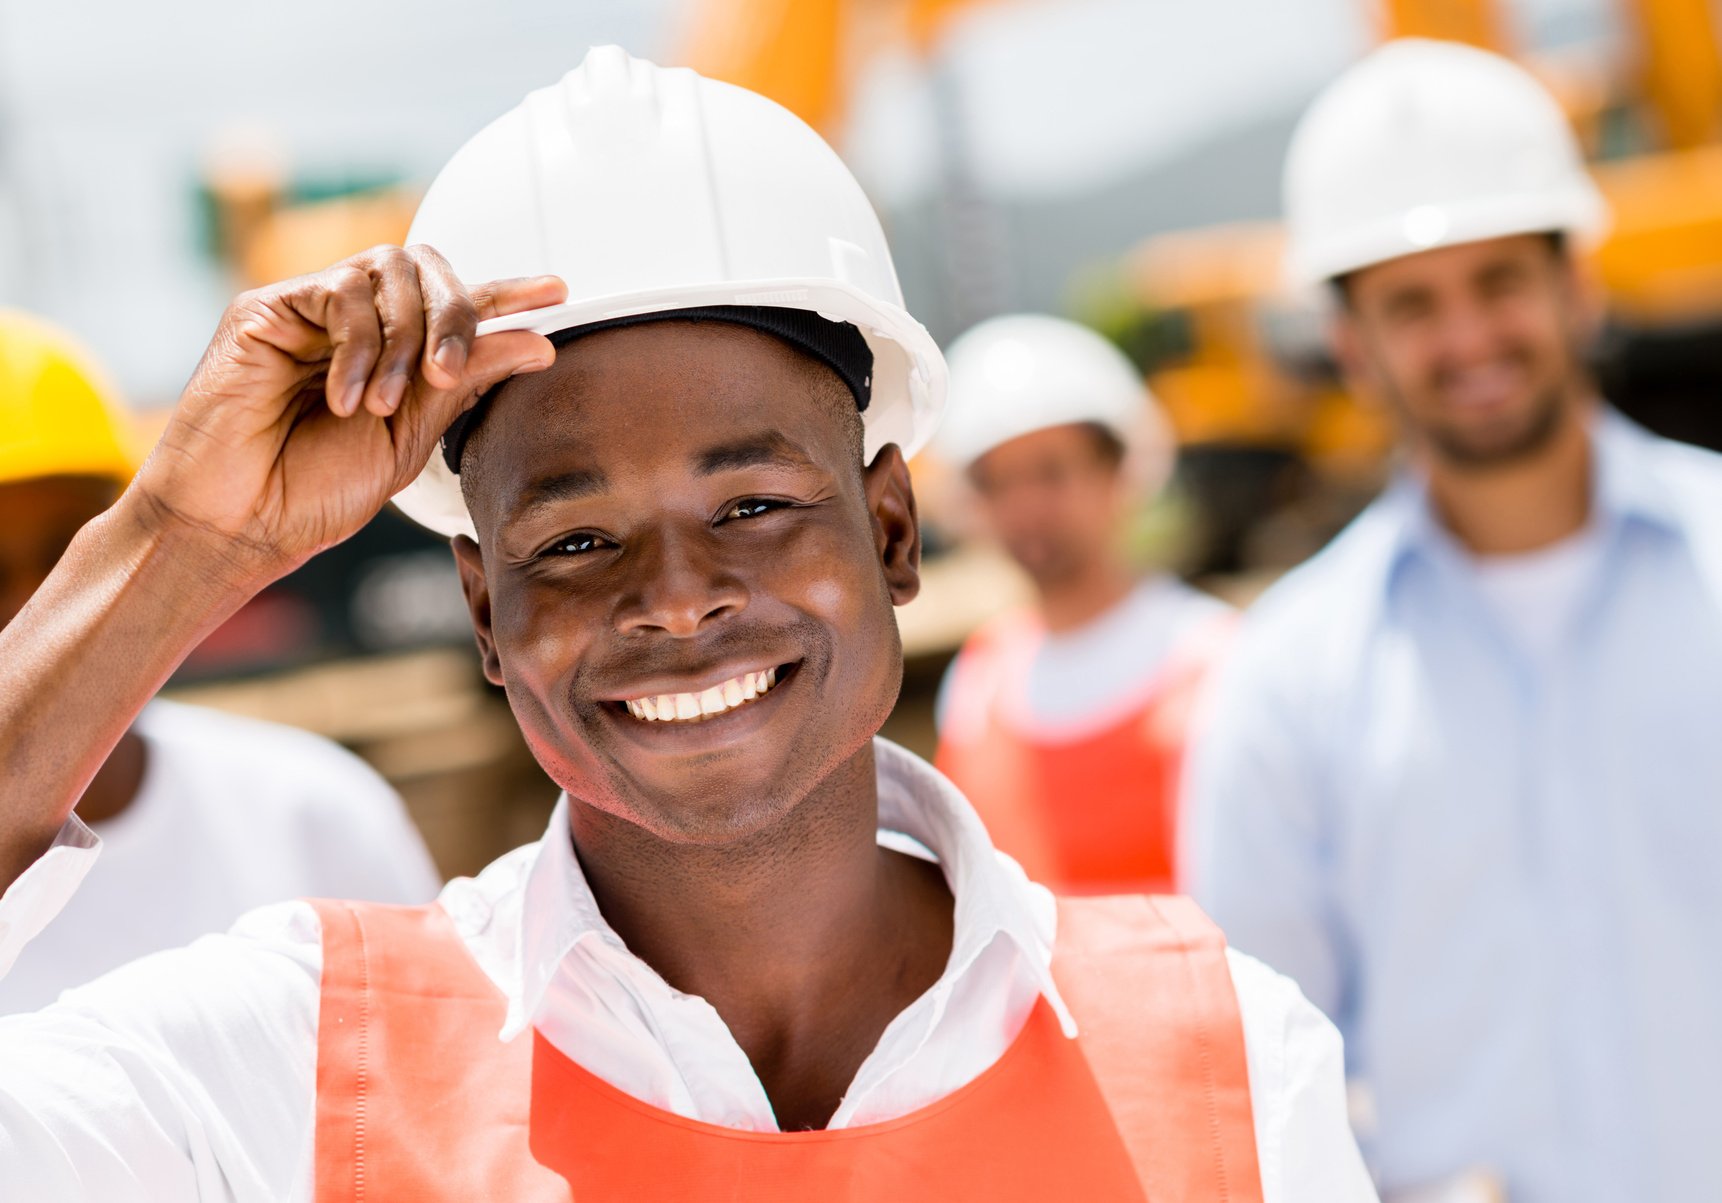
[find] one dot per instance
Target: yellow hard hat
(58, 416)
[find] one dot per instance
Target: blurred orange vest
(1095, 811)
(418, 1099)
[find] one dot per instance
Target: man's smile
(722, 708)
(690, 707)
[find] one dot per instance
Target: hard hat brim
(1580, 213)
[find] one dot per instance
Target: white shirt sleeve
(30, 903)
(1297, 1091)
(187, 1075)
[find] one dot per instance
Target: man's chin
(1500, 442)
(705, 817)
(709, 797)
(1047, 569)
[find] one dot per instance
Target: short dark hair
(1108, 445)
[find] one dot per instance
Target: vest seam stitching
(361, 1076)
(1204, 1056)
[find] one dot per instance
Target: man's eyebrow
(564, 486)
(763, 450)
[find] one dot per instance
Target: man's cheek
(828, 597)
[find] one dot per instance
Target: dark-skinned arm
(316, 401)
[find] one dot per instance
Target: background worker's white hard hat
(1024, 372)
(1426, 144)
(648, 189)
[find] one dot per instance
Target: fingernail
(352, 396)
(450, 356)
(393, 389)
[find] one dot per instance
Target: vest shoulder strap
(408, 1016)
(1147, 980)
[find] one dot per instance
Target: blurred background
(1115, 161)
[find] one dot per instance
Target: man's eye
(753, 507)
(572, 545)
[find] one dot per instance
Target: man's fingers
(350, 317)
(429, 413)
(502, 297)
(496, 357)
(401, 312)
(450, 319)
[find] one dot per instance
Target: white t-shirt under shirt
(1535, 594)
(231, 814)
(1089, 671)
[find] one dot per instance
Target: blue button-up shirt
(1500, 873)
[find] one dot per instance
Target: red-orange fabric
(418, 1100)
(1096, 813)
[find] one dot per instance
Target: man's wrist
(205, 569)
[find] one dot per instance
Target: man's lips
(1483, 386)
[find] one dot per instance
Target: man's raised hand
(321, 397)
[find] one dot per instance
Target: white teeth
(719, 699)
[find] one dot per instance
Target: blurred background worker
(1063, 721)
(1462, 778)
(202, 815)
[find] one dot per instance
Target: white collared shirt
(190, 1074)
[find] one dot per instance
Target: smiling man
(1461, 777)
(759, 953)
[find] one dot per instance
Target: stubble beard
(1460, 450)
(1471, 452)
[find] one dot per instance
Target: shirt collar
(1625, 487)
(994, 898)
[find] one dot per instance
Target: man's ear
(896, 527)
(469, 562)
(1345, 338)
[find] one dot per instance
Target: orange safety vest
(1092, 813)
(417, 1098)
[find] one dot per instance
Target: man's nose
(677, 584)
(1468, 332)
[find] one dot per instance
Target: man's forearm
(129, 600)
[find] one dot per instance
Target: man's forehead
(682, 388)
(708, 375)
(563, 467)
(1461, 259)
(576, 468)
(670, 401)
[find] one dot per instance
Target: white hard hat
(650, 189)
(1024, 372)
(1426, 144)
